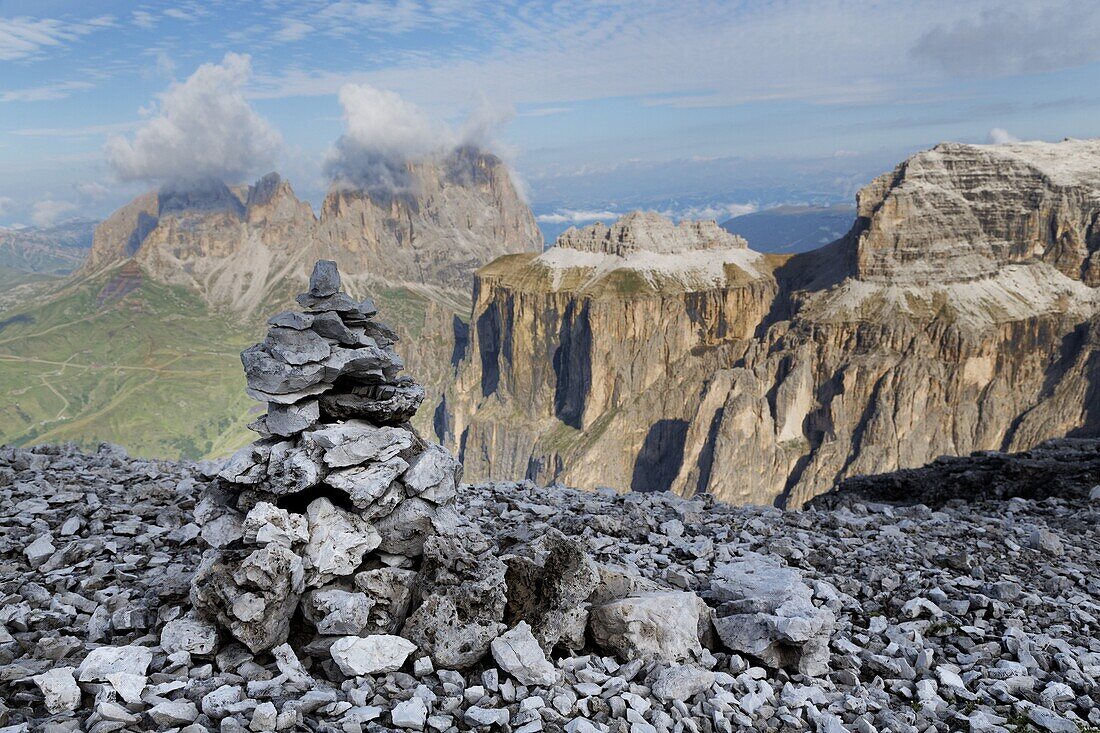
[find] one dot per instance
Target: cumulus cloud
(203, 129)
(1000, 136)
(48, 211)
(7, 205)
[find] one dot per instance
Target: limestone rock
(374, 654)
(108, 660)
(59, 688)
(462, 583)
(338, 540)
(652, 626)
(518, 653)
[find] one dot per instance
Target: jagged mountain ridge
(240, 247)
(959, 313)
(226, 256)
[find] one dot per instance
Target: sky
(696, 107)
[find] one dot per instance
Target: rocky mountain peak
(650, 232)
(957, 212)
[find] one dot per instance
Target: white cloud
(572, 216)
(48, 211)
(91, 191)
(1000, 136)
(46, 92)
(293, 30)
(29, 37)
(717, 212)
(7, 205)
(143, 19)
(383, 131)
(203, 128)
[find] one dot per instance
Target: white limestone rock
(192, 635)
(107, 660)
(337, 612)
(59, 688)
(375, 654)
(661, 625)
(518, 653)
(338, 541)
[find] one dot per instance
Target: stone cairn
(335, 545)
(325, 517)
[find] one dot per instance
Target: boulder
(375, 654)
(660, 625)
(518, 653)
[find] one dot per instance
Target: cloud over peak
(384, 132)
(203, 129)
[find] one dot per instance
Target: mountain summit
(960, 313)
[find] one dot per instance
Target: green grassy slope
(121, 358)
(152, 370)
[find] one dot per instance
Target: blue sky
(716, 107)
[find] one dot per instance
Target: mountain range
(957, 312)
(140, 345)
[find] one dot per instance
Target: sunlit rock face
(959, 313)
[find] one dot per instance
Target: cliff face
(959, 314)
(571, 352)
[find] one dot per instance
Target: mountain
(30, 256)
(140, 345)
(959, 313)
(793, 228)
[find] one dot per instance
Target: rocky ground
(948, 615)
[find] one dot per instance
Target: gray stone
(391, 592)
(192, 635)
(374, 654)
(107, 660)
(59, 688)
(369, 485)
(337, 612)
(518, 653)
(296, 347)
(356, 442)
(173, 713)
(432, 475)
(411, 714)
(325, 279)
(338, 541)
(650, 626)
(288, 420)
(681, 682)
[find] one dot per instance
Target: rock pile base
(947, 619)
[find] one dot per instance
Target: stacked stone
(328, 512)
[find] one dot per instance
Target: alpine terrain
(958, 314)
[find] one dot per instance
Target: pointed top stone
(325, 279)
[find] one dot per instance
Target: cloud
(293, 30)
(143, 19)
(28, 37)
(1000, 136)
(7, 205)
(91, 191)
(1013, 38)
(48, 212)
(572, 216)
(203, 129)
(717, 212)
(46, 92)
(383, 132)
(485, 120)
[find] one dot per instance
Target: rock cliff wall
(960, 313)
